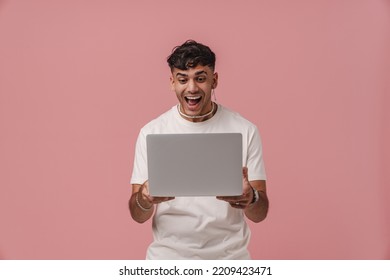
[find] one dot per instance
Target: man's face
(193, 89)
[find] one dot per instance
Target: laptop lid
(194, 164)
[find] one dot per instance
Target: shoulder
(159, 123)
(234, 118)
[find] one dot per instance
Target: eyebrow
(196, 73)
(201, 72)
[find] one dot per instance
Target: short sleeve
(255, 162)
(140, 166)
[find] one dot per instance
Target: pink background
(78, 79)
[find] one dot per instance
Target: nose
(192, 87)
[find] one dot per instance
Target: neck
(198, 118)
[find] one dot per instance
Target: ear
(215, 81)
(172, 83)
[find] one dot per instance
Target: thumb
(245, 173)
(145, 188)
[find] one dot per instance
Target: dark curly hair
(190, 54)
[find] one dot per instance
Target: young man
(199, 227)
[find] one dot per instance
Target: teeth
(193, 97)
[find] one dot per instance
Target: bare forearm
(137, 213)
(258, 211)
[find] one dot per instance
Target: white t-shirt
(200, 227)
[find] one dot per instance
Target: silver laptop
(194, 164)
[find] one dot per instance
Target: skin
(257, 211)
(199, 82)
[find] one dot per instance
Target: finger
(235, 199)
(161, 199)
(145, 188)
(238, 205)
(243, 201)
(167, 198)
(148, 198)
(245, 172)
(230, 198)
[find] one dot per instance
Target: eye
(182, 81)
(201, 79)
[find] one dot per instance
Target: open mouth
(192, 100)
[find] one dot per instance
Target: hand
(150, 200)
(241, 201)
